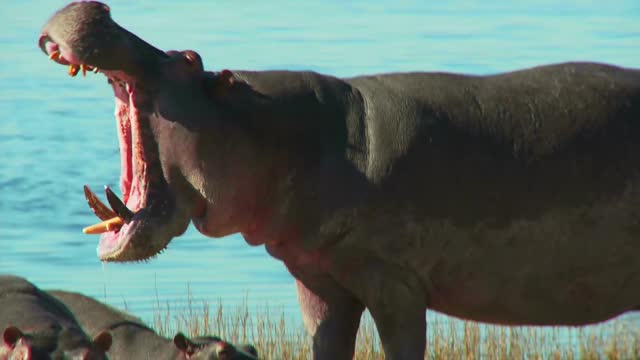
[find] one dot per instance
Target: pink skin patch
(285, 245)
(314, 309)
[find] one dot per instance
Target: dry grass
(447, 338)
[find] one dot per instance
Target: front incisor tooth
(73, 70)
(102, 227)
(54, 55)
(84, 67)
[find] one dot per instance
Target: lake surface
(58, 133)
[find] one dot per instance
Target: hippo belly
(532, 273)
(553, 267)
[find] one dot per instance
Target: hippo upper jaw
(84, 36)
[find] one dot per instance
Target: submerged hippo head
(169, 112)
(17, 345)
(213, 348)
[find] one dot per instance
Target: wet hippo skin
(510, 198)
(36, 326)
(133, 339)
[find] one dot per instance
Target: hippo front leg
(332, 321)
(397, 301)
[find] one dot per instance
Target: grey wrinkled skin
(49, 330)
(510, 199)
(133, 339)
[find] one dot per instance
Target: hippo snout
(84, 36)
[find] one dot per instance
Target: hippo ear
(223, 82)
(249, 349)
(224, 350)
(183, 343)
(226, 78)
(11, 335)
(103, 341)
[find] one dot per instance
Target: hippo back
(94, 316)
(133, 339)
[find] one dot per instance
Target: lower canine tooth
(102, 227)
(118, 206)
(101, 210)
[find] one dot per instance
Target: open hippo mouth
(83, 37)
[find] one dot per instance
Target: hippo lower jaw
(150, 213)
(155, 217)
(150, 216)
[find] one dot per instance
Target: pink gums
(132, 158)
(133, 177)
(123, 124)
(138, 160)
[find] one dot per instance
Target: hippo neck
(314, 139)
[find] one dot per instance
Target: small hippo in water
(133, 339)
(37, 326)
(212, 347)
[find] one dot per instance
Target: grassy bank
(276, 338)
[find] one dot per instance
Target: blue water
(58, 133)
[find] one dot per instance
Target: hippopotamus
(213, 347)
(37, 326)
(509, 198)
(133, 339)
